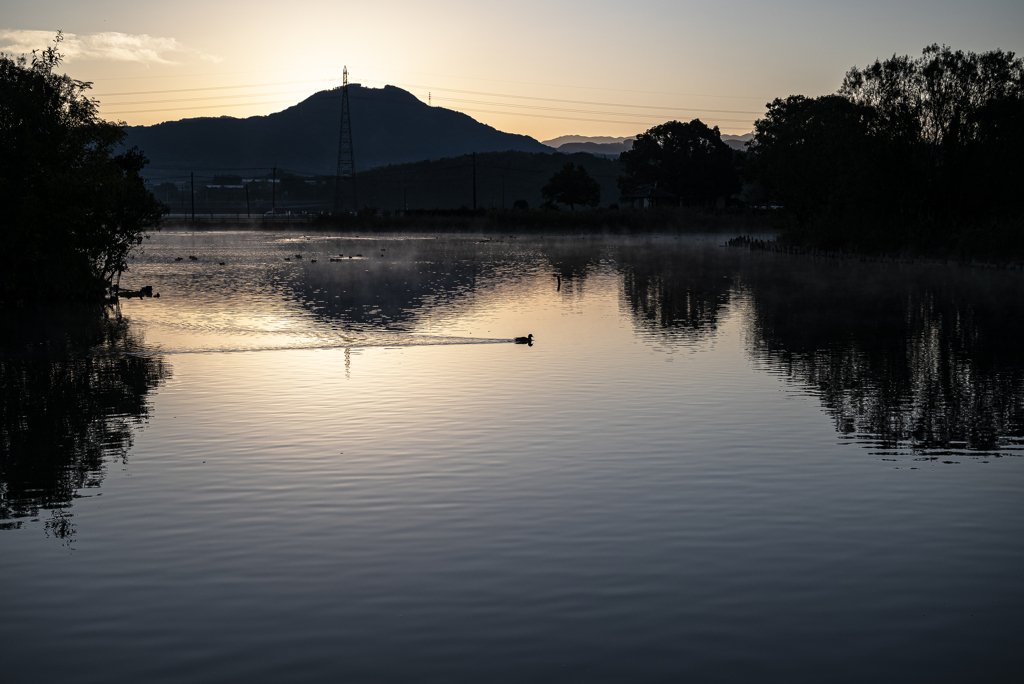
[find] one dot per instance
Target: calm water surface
(711, 465)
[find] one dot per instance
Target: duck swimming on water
(524, 340)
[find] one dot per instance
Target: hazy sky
(540, 68)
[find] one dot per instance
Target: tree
(572, 185)
(73, 206)
(687, 159)
(812, 155)
(950, 121)
(911, 152)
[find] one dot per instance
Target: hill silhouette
(737, 142)
(599, 139)
(501, 178)
(610, 150)
(389, 126)
(613, 147)
(446, 183)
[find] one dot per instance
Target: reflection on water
(72, 390)
(925, 359)
(677, 291)
(330, 489)
(390, 288)
(921, 358)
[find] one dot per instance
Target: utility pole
(346, 157)
(192, 187)
(273, 193)
(503, 192)
(247, 201)
(474, 181)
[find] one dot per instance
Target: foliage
(911, 152)
(73, 208)
(572, 185)
(811, 154)
(687, 159)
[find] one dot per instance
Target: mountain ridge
(389, 126)
(607, 146)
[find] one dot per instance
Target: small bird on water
(524, 340)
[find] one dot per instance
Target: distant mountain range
(389, 126)
(737, 142)
(605, 146)
(599, 139)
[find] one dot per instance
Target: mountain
(389, 126)
(598, 149)
(737, 142)
(599, 139)
(613, 147)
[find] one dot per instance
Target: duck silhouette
(524, 340)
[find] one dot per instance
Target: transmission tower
(345, 177)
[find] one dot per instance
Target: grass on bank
(599, 221)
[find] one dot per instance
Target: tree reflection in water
(72, 386)
(927, 359)
(680, 291)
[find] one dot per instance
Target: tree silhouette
(911, 152)
(73, 208)
(572, 185)
(687, 159)
(814, 155)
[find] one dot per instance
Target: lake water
(712, 465)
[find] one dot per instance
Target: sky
(543, 69)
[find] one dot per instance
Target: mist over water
(711, 464)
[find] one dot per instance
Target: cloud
(110, 45)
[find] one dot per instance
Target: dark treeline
(920, 154)
(608, 221)
(502, 179)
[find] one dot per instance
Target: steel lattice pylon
(345, 177)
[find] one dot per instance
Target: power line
(193, 90)
(411, 85)
(424, 73)
(463, 110)
(563, 85)
(555, 99)
(189, 109)
(204, 99)
(563, 109)
(576, 118)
